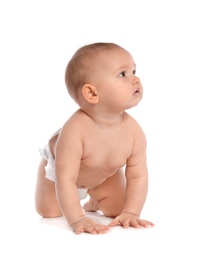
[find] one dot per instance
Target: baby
(100, 151)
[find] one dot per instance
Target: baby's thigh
(45, 195)
(110, 194)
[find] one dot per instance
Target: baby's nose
(136, 80)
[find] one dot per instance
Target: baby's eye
(134, 72)
(122, 74)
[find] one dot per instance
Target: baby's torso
(104, 156)
(105, 150)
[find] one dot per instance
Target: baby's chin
(138, 99)
(134, 105)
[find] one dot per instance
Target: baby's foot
(91, 206)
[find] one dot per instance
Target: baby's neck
(107, 119)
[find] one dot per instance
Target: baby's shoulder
(134, 126)
(78, 120)
(79, 116)
(128, 119)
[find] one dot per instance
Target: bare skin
(101, 148)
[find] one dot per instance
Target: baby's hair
(79, 69)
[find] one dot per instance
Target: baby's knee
(48, 212)
(111, 213)
(111, 208)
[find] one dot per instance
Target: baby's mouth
(136, 92)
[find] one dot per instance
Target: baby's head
(80, 69)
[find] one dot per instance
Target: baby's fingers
(92, 229)
(114, 222)
(145, 223)
(137, 223)
(130, 222)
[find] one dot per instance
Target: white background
(37, 38)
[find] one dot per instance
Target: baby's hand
(89, 226)
(129, 220)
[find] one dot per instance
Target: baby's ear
(89, 92)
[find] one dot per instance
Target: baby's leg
(45, 196)
(109, 196)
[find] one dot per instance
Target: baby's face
(115, 79)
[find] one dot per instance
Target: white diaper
(50, 169)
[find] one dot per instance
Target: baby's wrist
(128, 212)
(73, 222)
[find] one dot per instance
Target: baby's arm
(68, 154)
(137, 187)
